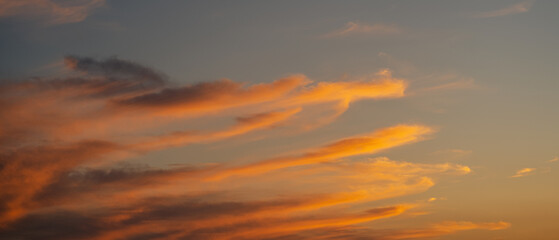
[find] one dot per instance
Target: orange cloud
(212, 96)
(308, 224)
(339, 95)
(39, 109)
(266, 226)
(289, 92)
(214, 215)
(433, 231)
(379, 171)
(51, 172)
(378, 178)
(26, 171)
(348, 182)
(118, 97)
(244, 125)
(384, 87)
(446, 228)
(523, 172)
(369, 144)
(44, 109)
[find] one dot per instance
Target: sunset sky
(279, 120)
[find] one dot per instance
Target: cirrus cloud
(69, 148)
(50, 11)
(358, 28)
(517, 8)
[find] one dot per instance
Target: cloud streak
(517, 8)
(52, 12)
(523, 172)
(358, 28)
(368, 144)
(445, 228)
(68, 165)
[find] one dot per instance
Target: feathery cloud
(523, 172)
(69, 145)
(520, 7)
(452, 154)
(356, 28)
(369, 144)
(445, 228)
(51, 11)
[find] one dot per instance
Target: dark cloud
(25, 171)
(68, 186)
(171, 214)
(35, 107)
(289, 227)
(218, 94)
(53, 225)
(201, 208)
(114, 67)
(117, 76)
(192, 94)
(50, 12)
(103, 78)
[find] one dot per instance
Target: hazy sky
(133, 119)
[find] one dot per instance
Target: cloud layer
(67, 167)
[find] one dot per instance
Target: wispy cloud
(372, 143)
(555, 159)
(455, 152)
(523, 172)
(115, 97)
(358, 28)
(509, 10)
(445, 228)
(50, 11)
(69, 145)
(468, 83)
(244, 125)
(432, 231)
(113, 93)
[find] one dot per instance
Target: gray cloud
(114, 67)
(192, 94)
(51, 12)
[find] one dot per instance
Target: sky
(279, 120)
